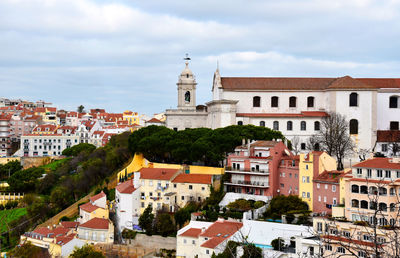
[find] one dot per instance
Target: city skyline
(128, 54)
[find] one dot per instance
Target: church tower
(187, 89)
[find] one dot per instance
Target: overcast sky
(128, 54)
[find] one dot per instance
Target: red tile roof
(60, 231)
(193, 178)
(42, 231)
(388, 136)
(264, 144)
(69, 224)
(329, 176)
(96, 223)
(378, 163)
(191, 232)
(153, 120)
(219, 232)
(303, 83)
(126, 187)
(97, 196)
(301, 114)
(62, 240)
(157, 173)
(89, 207)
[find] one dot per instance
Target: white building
(46, 144)
(294, 106)
(127, 199)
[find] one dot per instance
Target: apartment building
(96, 230)
(5, 135)
(95, 208)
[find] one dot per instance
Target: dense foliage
(25, 180)
(9, 169)
(28, 250)
(77, 149)
(161, 144)
(146, 220)
(249, 250)
(278, 244)
(282, 204)
(86, 251)
(245, 205)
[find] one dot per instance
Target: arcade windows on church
(262, 123)
(292, 101)
(256, 101)
(310, 102)
(275, 125)
(394, 102)
(317, 126)
(353, 99)
(303, 126)
(289, 125)
(274, 101)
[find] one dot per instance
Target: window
(304, 179)
(359, 171)
(369, 173)
(398, 174)
(319, 198)
(203, 188)
(310, 102)
(303, 146)
(174, 185)
(194, 242)
(256, 101)
(353, 99)
(274, 101)
(333, 188)
(353, 126)
(262, 123)
(207, 251)
(289, 125)
(328, 247)
(275, 125)
(379, 173)
(304, 195)
(187, 97)
(306, 167)
(292, 101)
(318, 185)
(240, 122)
(190, 187)
(355, 189)
(324, 198)
(388, 173)
(308, 179)
(175, 129)
(183, 198)
(394, 125)
(308, 194)
(364, 205)
(393, 102)
(303, 125)
(384, 147)
(317, 126)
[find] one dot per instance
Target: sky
(127, 54)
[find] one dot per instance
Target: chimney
(220, 219)
(243, 141)
(203, 229)
(136, 179)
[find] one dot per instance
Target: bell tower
(187, 88)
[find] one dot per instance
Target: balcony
(248, 183)
(247, 171)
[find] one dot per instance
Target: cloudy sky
(128, 54)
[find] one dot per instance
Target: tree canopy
(86, 251)
(9, 169)
(161, 144)
(76, 149)
(282, 204)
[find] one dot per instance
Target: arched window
(274, 101)
(353, 99)
(382, 191)
(262, 123)
(392, 207)
(382, 206)
(310, 102)
(373, 205)
(240, 123)
(364, 189)
(392, 191)
(303, 125)
(355, 189)
(353, 126)
(292, 101)
(289, 125)
(275, 125)
(187, 96)
(256, 101)
(354, 203)
(393, 102)
(373, 190)
(303, 146)
(364, 205)
(317, 126)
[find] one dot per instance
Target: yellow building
(311, 165)
(191, 187)
(95, 208)
(96, 230)
(131, 117)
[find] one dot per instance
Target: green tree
(251, 251)
(27, 250)
(61, 197)
(282, 204)
(85, 252)
(25, 180)
(164, 224)
(77, 149)
(81, 109)
(146, 220)
(278, 244)
(181, 216)
(9, 169)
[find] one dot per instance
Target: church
(294, 106)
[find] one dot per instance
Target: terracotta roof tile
(126, 187)
(97, 196)
(388, 136)
(96, 223)
(191, 232)
(193, 178)
(378, 163)
(154, 120)
(157, 173)
(69, 224)
(89, 207)
(348, 82)
(219, 232)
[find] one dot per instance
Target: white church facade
(294, 106)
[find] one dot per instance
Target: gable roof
(388, 136)
(126, 187)
(219, 232)
(193, 178)
(97, 196)
(306, 83)
(89, 207)
(69, 224)
(378, 163)
(191, 232)
(96, 223)
(157, 173)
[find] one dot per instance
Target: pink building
(289, 175)
(255, 168)
(326, 191)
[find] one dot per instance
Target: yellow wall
(132, 119)
(306, 171)
(99, 213)
(136, 164)
(150, 186)
(206, 170)
(55, 250)
(182, 189)
(6, 160)
(165, 165)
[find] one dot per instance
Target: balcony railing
(248, 183)
(262, 171)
